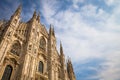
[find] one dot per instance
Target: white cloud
(111, 67)
(109, 2)
(76, 2)
(112, 2)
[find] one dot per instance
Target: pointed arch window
(40, 69)
(16, 48)
(7, 73)
(42, 43)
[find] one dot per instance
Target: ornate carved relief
(42, 43)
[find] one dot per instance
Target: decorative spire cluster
(70, 69)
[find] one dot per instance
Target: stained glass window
(41, 66)
(7, 73)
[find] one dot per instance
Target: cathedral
(28, 51)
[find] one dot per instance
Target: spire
(51, 30)
(69, 60)
(69, 63)
(34, 15)
(61, 48)
(38, 17)
(17, 12)
(70, 70)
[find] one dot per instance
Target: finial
(69, 59)
(19, 7)
(51, 30)
(38, 17)
(60, 44)
(18, 10)
(34, 14)
(61, 48)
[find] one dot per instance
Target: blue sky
(89, 31)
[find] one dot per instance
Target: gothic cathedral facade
(28, 51)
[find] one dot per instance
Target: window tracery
(16, 48)
(42, 44)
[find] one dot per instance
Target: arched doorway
(7, 73)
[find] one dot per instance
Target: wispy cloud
(111, 67)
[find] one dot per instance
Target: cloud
(111, 67)
(88, 69)
(106, 68)
(111, 2)
(76, 2)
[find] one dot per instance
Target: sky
(89, 31)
